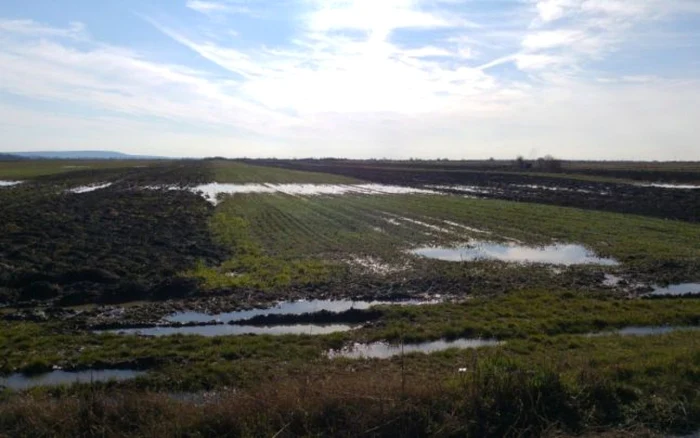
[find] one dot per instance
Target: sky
(576, 79)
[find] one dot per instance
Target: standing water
(384, 350)
(512, 252)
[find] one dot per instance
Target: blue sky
(580, 79)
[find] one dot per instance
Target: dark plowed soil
(117, 244)
(621, 198)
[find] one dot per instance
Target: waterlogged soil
(511, 252)
(111, 245)
(653, 201)
(20, 381)
(384, 350)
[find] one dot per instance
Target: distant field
(236, 172)
(27, 169)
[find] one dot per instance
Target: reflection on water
(9, 183)
(213, 190)
(227, 330)
(20, 381)
(289, 308)
(643, 331)
(384, 350)
(513, 252)
(677, 289)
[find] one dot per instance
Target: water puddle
(671, 186)
(611, 280)
(19, 381)
(551, 188)
(511, 252)
(212, 191)
(237, 330)
(677, 290)
(643, 331)
(90, 188)
(9, 183)
(478, 190)
(288, 308)
(384, 350)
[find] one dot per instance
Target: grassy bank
(604, 384)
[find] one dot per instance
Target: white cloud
(212, 8)
(75, 30)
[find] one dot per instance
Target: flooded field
(384, 350)
(247, 286)
(54, 378)
(559, 254)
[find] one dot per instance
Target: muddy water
(383, 350)
(512, 252)
(290, 308)
(643, 331)
(232, 330)
(19, 381)
(677, 289)
(90, 188)
(212, 191)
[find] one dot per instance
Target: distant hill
(82, 155)
(11, 157)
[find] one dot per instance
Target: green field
(281, 239)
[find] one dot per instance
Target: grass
(534, 317)
(600, 384)
(545, 380)
(530, 314)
